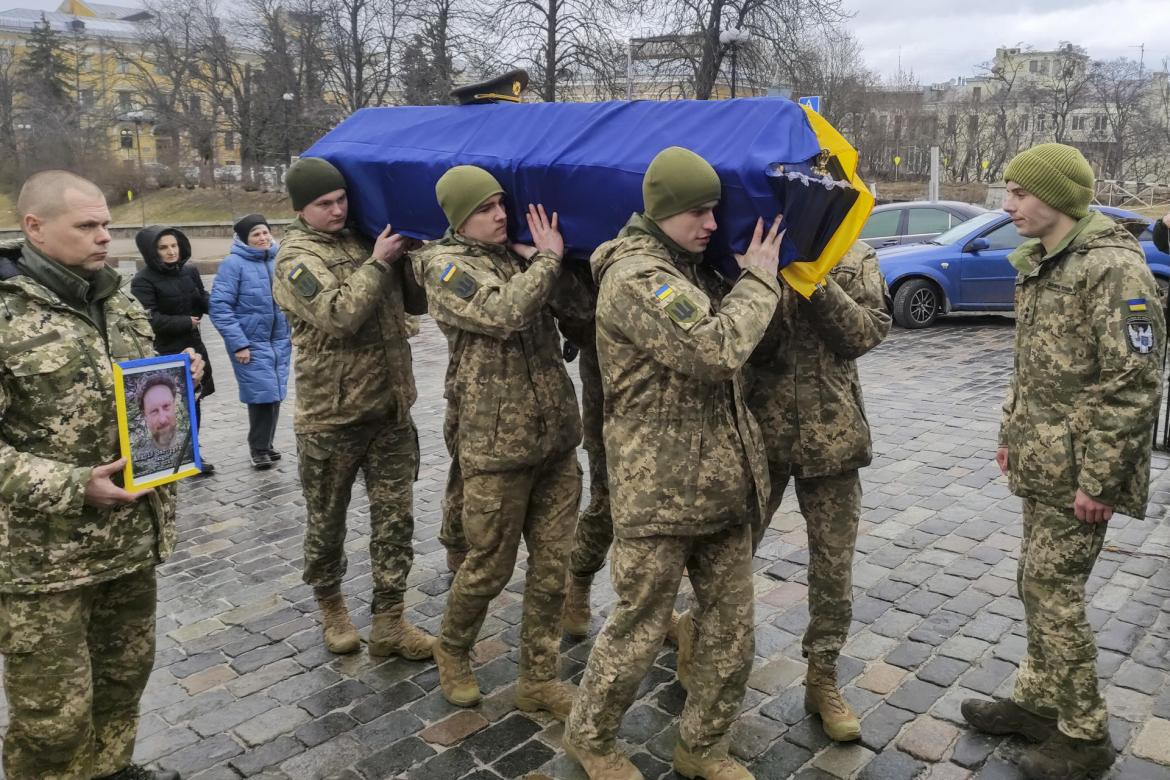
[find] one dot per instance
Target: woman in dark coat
(254, 331)
(173, 294)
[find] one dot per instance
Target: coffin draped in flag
(586, 161)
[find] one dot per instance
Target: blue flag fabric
(582, 160)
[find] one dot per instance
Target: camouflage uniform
(354, 390)
(1079, 415)
(515, 434)
(805, 394)
(687, 473)
(77, 583)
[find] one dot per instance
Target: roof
(23, 20)
(102, 10)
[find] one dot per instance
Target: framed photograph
(156, 420)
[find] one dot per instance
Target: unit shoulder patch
(1139, 332)
(678, 306)
(461, 283)
(303, 281)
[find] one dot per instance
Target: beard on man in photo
(157, 399)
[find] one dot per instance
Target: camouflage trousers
(831, 507)
(1058, 676)
(75, 666)
(646, 576)
(451, 528)
(594, 532)
(387, 457)
(500, 508)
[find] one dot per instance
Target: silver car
(913, 222)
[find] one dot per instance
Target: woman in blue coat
(255, 331)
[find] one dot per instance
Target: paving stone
(942, 671)
(232, 715)
(988, 676)
(973, 748)
(788, 707)
(927, 739)
(881, 678)
(163, 742)
(891, 765)
(908, 655)
(642, 722)
(201, 755)
(325, 729)
(1131, 768)
(1153, 741)
(779, 761)
(499, 738)
(454, 729)
(524, 759)
(452, 763)
(842, 760)
(915, 695)
(752, 734)
(776, 675)
(393, 698)
(335, 697)
(391, 761)
(271, 724)
(270, 754)
(326, 759)
(389, 728)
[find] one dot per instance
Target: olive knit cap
(309, 178)
(462, 189)
(1057, 174)
(677, 180)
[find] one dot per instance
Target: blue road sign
(812, 101)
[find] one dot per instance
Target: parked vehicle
(966, 268)
(912, 222)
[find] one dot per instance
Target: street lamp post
(286, 99)
(139, 118)
(734, 38)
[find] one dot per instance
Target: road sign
(897, 159)
(812, 101)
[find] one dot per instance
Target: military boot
(553, 696)
(1004, 716)
(455, 678)
(341, 635)
(602, 766)
(711, 764)
(136, 772)
(455, 559)
(393, 635)
(684, 637)
(821, 696)
(576, 616)
(1062, 757)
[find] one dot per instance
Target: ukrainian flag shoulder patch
(1136, 304)
(461, 283)
(678, 306)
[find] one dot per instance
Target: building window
(1024, 125)
(123, 65)
(229, 140)
(125, 100)
(1099, 123)
(193, 106)
(1079, 122)
(1040, 123)
(87, 99)
(229, 106)
(976, 94)
(1033, 66)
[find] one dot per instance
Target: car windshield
(963, 228)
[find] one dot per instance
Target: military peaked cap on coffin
(505, 88)
(587, 162)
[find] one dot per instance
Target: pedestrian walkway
(244, 687)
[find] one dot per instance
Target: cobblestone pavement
(244, 687)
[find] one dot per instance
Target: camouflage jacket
(1084, 394)
(685, 456)
(516, 405)
(803, 386)
(348, 316)
(58, 421)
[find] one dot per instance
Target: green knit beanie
(677, 180)
(462, 189)
(309, 178)
(1057, 174)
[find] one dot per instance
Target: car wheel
(917, 304)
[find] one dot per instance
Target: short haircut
(43, 194)
(153, 381)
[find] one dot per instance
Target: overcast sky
(941, 39)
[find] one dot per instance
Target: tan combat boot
(602, 766)
(393, 635)
(576, 616)
(455, 560)
(455, 678)
(553, 696)
(821, 696)
(711, 764)
(341, 635)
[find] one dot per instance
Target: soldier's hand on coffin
(390, 246)
(545, 234)
(764, 251)
(100, 490)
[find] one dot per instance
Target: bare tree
(557, 41)
(776, 28)
(1064, 88)
(361, 38)
(1118, 86)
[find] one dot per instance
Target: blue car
(966, 268)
